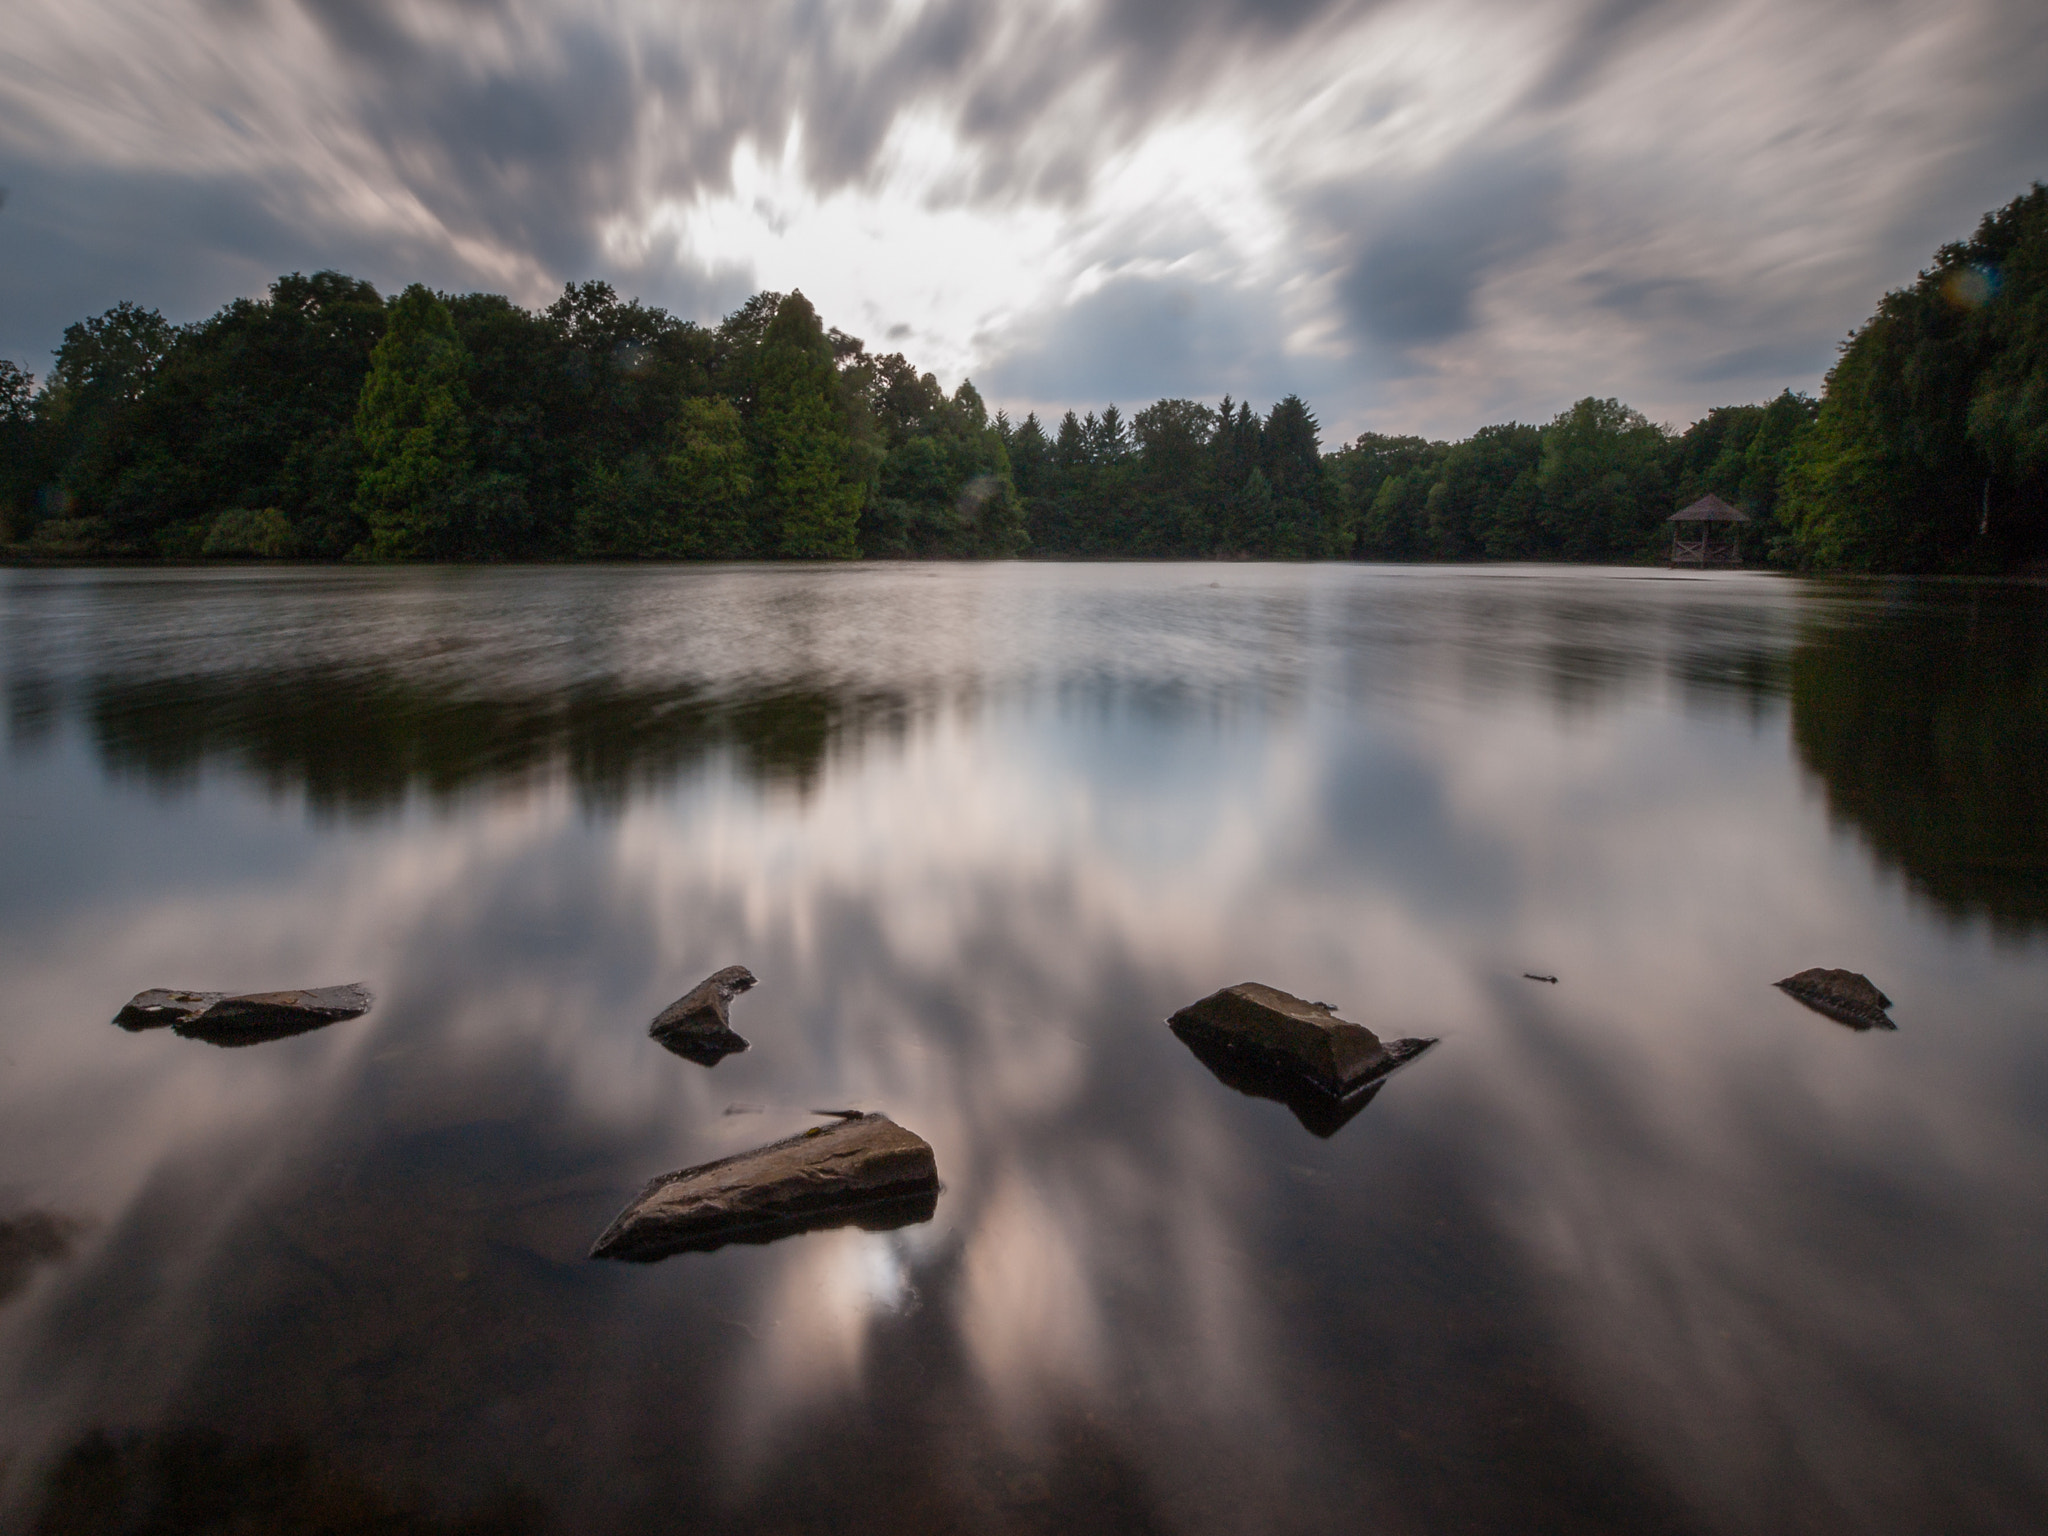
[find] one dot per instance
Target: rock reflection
(360, 741)
(185, 1483)
(1928, 724)
(707, 1050)
(29, 1239)
(1320, 1113)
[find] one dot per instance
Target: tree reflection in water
(1928, 724)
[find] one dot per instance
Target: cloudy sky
(1420, 216)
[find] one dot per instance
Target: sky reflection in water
(1654, 1248)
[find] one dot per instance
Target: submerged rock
(1844, 996)
(1286, 1037)
(866, 1170)
(697, 1024)
(244, 1018)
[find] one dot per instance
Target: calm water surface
(1651, 1249)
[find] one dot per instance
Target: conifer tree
(806, 449)
(706, 472)
(410, 422)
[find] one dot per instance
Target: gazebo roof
(1709, 509)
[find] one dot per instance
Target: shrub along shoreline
(324, 422)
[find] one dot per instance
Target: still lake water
(1650, 1249)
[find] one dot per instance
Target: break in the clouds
(1420, 215)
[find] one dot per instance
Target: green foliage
(1741, 453)
(710, 480)
(419, 490)
(813, 489)
(17, 447)
(1930, 448)
(1382, 487)
(690, 503)
(243, 533)
(471, 428)
(1175, 483)
(1604, 485)
(943, 487)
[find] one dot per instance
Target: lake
(1649, 1248)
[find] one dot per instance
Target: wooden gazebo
(1709, 532)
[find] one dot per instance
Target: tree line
(326, 422)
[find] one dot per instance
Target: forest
(325, 422)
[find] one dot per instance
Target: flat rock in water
(1290, 1036)
(244, 1018)
(1847, 997)
(865, 1170)
(698, 1024)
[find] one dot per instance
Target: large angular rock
(1844, 996)
(1285, 1035)
(866, 1169)
(698, 1024)
(244, 1018)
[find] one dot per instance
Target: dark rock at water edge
(1847, 997)
(244, 1018)
(1287, 1037)
(866, 1170)
(698, 1025)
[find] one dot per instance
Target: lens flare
(1970, 287)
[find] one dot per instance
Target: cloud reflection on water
(1645, 1250)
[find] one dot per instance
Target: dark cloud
(1795, 357)
(532, 161)
(1422, 252)
(1136, 340)
(1601, 35)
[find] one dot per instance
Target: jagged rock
(244, 1018)
(1289, 1038)
(697, 1024)
(866, 1170)
(1844, 996)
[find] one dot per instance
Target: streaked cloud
(1419, 216)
